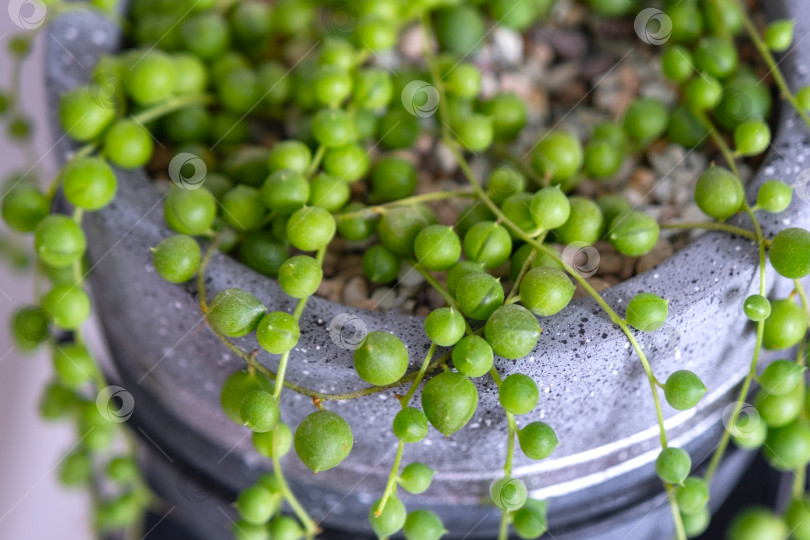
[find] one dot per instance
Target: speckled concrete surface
(593, 389)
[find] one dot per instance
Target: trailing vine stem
(719, 452)
(391, 484)
(452, 145)
(712, 226)
(773, 65)
(311, 528)
(614, 317)
(414, 199)
(140, 487)
(503, 529)
(299, 309)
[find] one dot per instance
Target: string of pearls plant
(206, 71)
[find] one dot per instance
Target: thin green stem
(614, 317)
(711, 226)
(310, 526)
(170, 105)
(799, 480)
(772, 64)
(299, 309)
(502, 151)
(503, 530)
(391, 484)
(316, 161)
(406, 399)
(435, 74)
(415, 199)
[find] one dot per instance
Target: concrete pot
(600, 481)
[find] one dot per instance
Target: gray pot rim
(603, 451)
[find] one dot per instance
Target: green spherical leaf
(774, 196)
(323, 440)
(410, 425)
(634, 234)
(786, 325)
(537, 440)
(445, 326)
(512, 331)
(449, 401)
(300, 276)
(719, 193)
(683, 390)
(236, 387)
(479, 295)
(381, 358)
(778, 410)
(59, 241)
(391, 520)
(278, 332)
(693, 495)
(530, 521)
(798, 518)
(255, 505)
(673, 465)
(781, 377)
(423, 525)
(24, 207)
(518, 394)
(546, 291)
(787, 448)
(758, 523)
(472, 356)
(235, 312)
(647, 312)
(260, 411)
(264, 443)
(415, 478)
(177, 258)
(757, 307)
(790, 252)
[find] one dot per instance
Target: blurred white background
(32, 504)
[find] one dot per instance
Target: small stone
(412, 42)
(610, 262)
(628, 265)
(659, 253)
(355, 291)
(409, 277)
(435, 300)
(384, 298)
(508, 46)
(447, 162)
